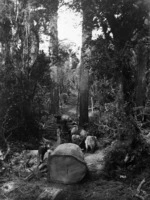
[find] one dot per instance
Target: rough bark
(84, 94)
(85, 54)
(53, 49)
(141, 75)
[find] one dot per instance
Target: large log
(66, 164)
(95, 163)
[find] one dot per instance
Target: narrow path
(71, 107)
(94, 161)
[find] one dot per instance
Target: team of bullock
(69, 129)
(79, 136)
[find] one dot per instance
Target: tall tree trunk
(126, 81)
(54, 54)
(141, 78)
(85, 54)
(84, 94)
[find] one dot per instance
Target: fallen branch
(140, 185)
(31, 176)
(42, 168)
(141, 194)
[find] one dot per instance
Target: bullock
(90, 142)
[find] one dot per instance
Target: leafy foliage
(123, 25)
(129, 154)
(21, 97)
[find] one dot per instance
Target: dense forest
(92, 101)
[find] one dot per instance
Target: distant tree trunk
(92, 105)
(85, 54)
(54, 54)
(78, 99)
(141, 76)
(119, 97)
(127, 87)
(126, 80)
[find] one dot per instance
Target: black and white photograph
(74, 99)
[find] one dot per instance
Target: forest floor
(20, 180)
